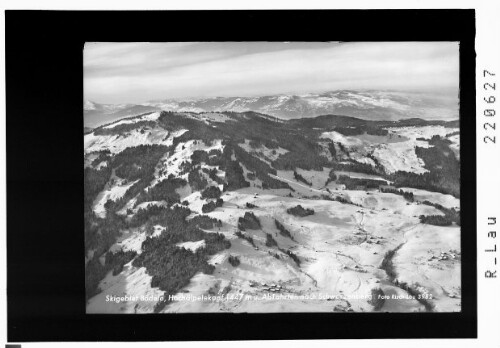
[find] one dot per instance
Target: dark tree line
(354, 183)
(407, 195)
(300, 178)
(270, 241)
(451, 214)
(283, 231)
(249, 239)
(293, 256)
(331, 177)
(362, 129)
(357, 167)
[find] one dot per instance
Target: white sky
(138, 72)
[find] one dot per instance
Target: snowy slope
(340, 248)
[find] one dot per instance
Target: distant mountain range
(370, 105)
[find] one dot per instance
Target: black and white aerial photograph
(271, 177)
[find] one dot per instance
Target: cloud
(135, 72)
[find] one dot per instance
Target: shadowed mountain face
(370, 105)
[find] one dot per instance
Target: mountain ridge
(369, 105)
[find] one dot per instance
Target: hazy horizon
(134, 73)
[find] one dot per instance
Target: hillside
(243, 207)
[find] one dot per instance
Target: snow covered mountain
(371, 105)
(242, 212)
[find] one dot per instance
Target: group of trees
(331, 177)
(116, 261)
(452, 134)
(300, 178)
(377, 298)
(211, 192)
(354, 183)
(234, 177)
(196, 180)
(212, 174)
(249, 221)
(94, 182)
(443, 166)
(357, 167)
(451, 214)
(258, 168)
(332, 149)
(198, 130)
(299, 211)
(429, 181)
(212, 205)
(100, 235)
(173, 267)
(293, 256)
(206, 222)
(234, 260)
(242, 235)
(407, 195)
(361, 129)
(270, 241)
(124, 128)
(165, 190)
(137, 162)
(283, 231)
(94, 273)
(437, 220)
(102, 156)
(308, 159)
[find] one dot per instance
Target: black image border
(44, 120)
